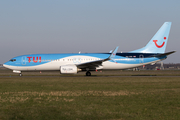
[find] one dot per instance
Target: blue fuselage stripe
(124, 58)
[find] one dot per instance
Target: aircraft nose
(5, 65)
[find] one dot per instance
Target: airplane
(69, 63)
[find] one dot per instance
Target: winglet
(113, 54)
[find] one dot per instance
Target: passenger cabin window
(12, 60)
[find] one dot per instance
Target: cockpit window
(12, 60)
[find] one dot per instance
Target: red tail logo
(158, 46)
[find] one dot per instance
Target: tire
(88, 73)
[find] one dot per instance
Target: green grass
(86, 98)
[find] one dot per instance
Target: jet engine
(69, 69)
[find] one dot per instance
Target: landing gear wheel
(20, 74)
(88, 73)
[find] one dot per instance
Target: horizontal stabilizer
(165, 54)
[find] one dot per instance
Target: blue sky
(70, 26)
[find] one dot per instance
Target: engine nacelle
(69, 69)
(16, 71)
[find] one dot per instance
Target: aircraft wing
(92, 64)
(97, 63)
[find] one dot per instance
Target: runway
(104, 74)
(93, 76)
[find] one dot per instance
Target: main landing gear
(88, 73)
(20, 74)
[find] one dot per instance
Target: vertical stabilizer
(159, 41)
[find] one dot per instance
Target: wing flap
(94, 64)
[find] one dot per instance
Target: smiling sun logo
(159, 46)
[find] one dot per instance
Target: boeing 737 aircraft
(153, 52)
